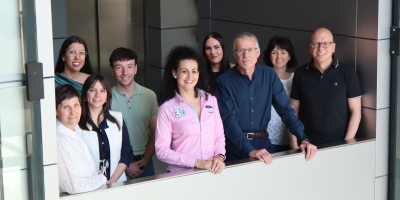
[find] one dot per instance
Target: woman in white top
(104, 131)
(280, 56)
(76, 168)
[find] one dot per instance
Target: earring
(105, 101)
(174, 77)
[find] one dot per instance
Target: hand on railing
(218, 165)
(214, 165)
(263, 155)
(311, 149)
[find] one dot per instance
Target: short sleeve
(353, 85)
(154, 104)
(126, 149)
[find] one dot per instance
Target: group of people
(211, 111)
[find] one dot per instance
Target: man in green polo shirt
(139, 108)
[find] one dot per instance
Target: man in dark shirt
(326, 93)
(245, 94)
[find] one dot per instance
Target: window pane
(11, 55)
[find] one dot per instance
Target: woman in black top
(216, 58)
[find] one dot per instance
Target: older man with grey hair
(245, 95)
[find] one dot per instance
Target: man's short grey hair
(243, 36)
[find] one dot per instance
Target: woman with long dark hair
(73, 64)
(104, 131)
(216, 57)
(189, 116)
(280, 56)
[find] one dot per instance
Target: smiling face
(213, 51)
(74, 62)
(321, 54)
(187, 74)
(69, 112)
(279, 57)
(96, 96)
(247, 60)
(124, 72)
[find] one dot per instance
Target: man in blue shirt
(245, 95)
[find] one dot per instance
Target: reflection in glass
(15, 130)
(10, 42)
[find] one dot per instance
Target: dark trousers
(317, 140)
(234, 153)
(278, 148)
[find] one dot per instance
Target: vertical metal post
(394, 108)
(34, 154)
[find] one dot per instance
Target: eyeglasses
(240, 52)
(324, 44)
(81, 54)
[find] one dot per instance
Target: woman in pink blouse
(188, 116)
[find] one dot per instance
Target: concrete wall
(361, 33)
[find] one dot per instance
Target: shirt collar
(179, 99)
(334, 64)
(103, 125)
(256, 68)
(138, 90)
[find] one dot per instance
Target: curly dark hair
(87, 67)
(283, 43)
(224, 64)
(85, 115)
(169, 83)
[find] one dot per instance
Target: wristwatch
(222, 156)
(304, 138)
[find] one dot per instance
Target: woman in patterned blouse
(280, 56)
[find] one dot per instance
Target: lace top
(76, 169)
(278, 132)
